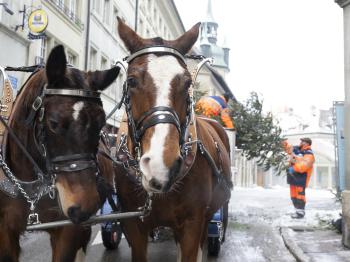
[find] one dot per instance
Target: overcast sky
(290, 52)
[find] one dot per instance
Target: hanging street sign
(37, 24)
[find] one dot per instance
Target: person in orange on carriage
(215, 107)
(299, 173)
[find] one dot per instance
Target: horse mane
(29, 91)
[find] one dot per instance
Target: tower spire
(210, 17)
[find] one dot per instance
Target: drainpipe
(87, 39)
(136, 13)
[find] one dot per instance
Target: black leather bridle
(62, 163)
(159, 114)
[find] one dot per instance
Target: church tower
(208, 43)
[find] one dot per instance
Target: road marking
(98, 239)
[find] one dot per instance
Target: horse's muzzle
(76, 214)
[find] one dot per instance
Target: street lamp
(7, 10)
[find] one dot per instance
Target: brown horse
(58, 117)
(183, 161)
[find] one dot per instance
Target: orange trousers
(297, 194)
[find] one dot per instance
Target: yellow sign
(37, 21)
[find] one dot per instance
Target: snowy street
(257, 217)
(273, 207)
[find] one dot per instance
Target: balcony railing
(60, 6)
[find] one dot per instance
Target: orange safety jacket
(302, 161)
(215, 107)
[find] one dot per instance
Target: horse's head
(158, 81)
(69, 131)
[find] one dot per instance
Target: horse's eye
(53, 125)
(132, 81)
(188, 83)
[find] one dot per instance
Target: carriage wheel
(111, 236)
(214, 246)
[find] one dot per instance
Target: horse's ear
(56, 65)
(132, 41)
(185, 42)
(100, 80)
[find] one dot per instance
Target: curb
(292, 246)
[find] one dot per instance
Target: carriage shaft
(93, 220)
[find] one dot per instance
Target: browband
(72, 92)
(156, 49)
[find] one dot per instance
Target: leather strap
(6, 105)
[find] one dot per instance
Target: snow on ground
(273, 206)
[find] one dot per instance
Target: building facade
(88, 31)
(65, 27)
(154, 18)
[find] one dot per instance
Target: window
(96, 6)
(106, 11)
(40, 60)
(208, 29)
(141, 27)
(103, 63)
(149, 5)
(165, 32)
(160, 25)
(155, 15)
(93, 59)
(118, 85)
(71, 58)
(114, 22)
(43, 48)
(59, 3)
(72, 6)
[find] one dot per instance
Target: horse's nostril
(76, 214)
(146, 160)
(73, 211)
(155, 184)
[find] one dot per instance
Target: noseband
(159, 114)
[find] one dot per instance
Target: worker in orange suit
(215, 107)
(299, 173)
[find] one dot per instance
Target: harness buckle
(126, 164)
(37, 103)
(33, 219)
